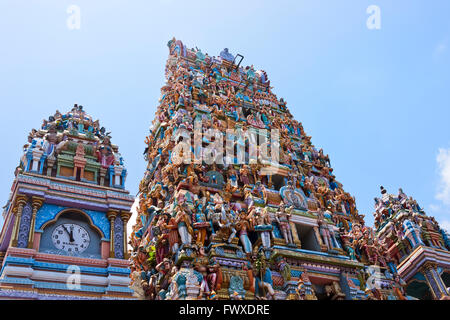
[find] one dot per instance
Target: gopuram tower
(64, 232)
(237, 203)
(419, 247)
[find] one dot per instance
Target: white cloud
(445, 225)
(443, 160)
(434, 208)
(442, 210)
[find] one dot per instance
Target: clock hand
(64, 227)
(69, 233)
(71, 236)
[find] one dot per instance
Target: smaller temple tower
(64, 232)
(417, 245)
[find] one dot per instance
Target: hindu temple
(415, 245)
(237, 203)
(64, 232)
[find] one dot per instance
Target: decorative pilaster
(111, 217)
(79, 161)
(435, 283)
(124, 176)
(295, 234)
(42, 162)
(319, 238)
(118, 238)
(24, 226)
(37, 156)
(125, 217)
(102, 175)
(37, 203)
(50, 163)
(111, 176)
(118, 170)
(21, 200)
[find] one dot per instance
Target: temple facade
(64, 232)
(237, 203)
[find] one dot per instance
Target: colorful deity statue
(263, 282)
(183, 221)
(201, 265)
(51, 140)
(172, 235)
(200, 225)
(282, 217)
(161, 233)
(263, 225)
(243, 226)
(105, 153)
(226, 55)
(324, 230)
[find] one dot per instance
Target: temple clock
(71, 234)
(71, 237)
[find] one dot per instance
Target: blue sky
(376, 101)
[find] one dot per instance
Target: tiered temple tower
(419, 247)
(264, 219)
(64, 232)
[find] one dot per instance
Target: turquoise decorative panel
(49, 211)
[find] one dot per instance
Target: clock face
(71, 238)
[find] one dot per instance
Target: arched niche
(77, 217)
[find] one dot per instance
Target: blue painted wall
(49, 211)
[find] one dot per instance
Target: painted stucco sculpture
(419, 248)
(64, 232)
(266, 229)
